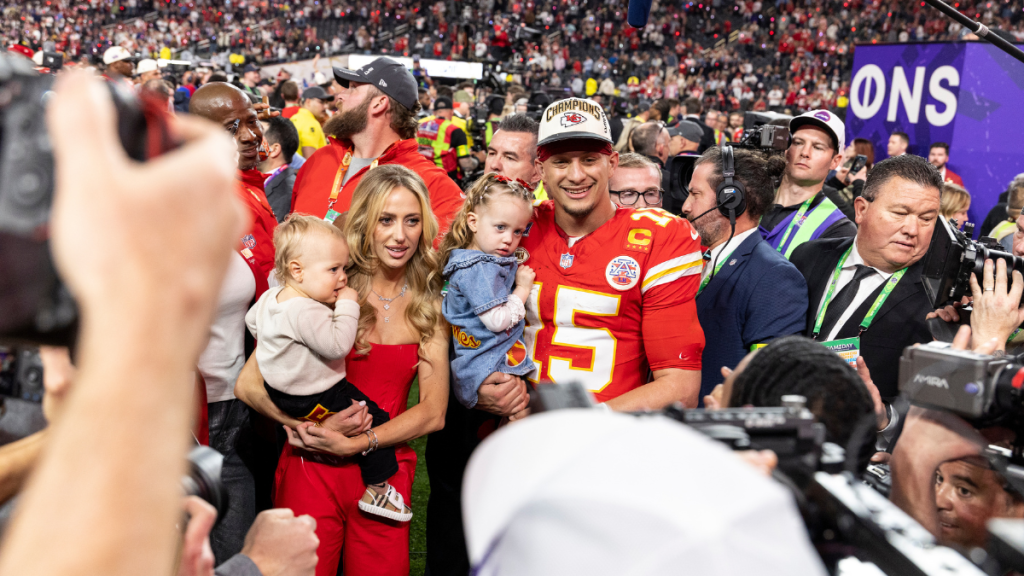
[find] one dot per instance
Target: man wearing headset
(738, 300)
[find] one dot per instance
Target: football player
(612, 306)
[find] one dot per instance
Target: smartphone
(859, 162)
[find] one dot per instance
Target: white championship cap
(116, 54)
(825, 120)
(145, 65)
(575, 492)
(574, 118)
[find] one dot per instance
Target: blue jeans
(231, 435)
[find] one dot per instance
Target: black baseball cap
(251, 68)
(443, 103)
(316, 92)
(389, 76)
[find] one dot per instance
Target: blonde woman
(954, 203)
(400, 337)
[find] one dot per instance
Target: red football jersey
(619, 301)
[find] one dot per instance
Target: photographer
(804, 209)
(749, 294)
(119, 448)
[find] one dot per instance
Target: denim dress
(478, 282)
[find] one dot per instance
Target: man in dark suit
(749, 293)
(283, 142)
(881, 266)
(692, 109)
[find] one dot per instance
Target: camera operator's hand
(143, 247)
(281, 544)
(997, 311)
(949, 313)
(58, 374)
(196, 553)
(876, 397)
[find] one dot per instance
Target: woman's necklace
(387, 301)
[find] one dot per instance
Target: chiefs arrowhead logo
(572, 119)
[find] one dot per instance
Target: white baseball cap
(574, 118)
(115, 54)
(146, 65)
(825, 120)
(558, 494)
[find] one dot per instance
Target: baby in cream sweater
(304, 329)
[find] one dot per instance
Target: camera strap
(887, 289)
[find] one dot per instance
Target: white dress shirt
(868, 285)
(717, 251)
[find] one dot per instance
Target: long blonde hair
(479, 194)
(368, 201)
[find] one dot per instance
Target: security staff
(805, 209)
(444, 142)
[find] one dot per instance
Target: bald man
(246, 280)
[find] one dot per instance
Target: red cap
(21, 49)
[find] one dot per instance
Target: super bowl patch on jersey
(521, 255)
(622, 273)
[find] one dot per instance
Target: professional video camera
(767, 131)
(36, 306)
(985, 390)
(953, 257)
(845, 516)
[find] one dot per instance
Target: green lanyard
(872, 312)
(704, 282)
(1016, 332)
(721, 262)
(797, 221)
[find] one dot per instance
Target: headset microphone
(638, 13)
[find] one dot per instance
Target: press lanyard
(872, 312)
(721, 262)
(1015, 333)
(708, 278)
(797, 221)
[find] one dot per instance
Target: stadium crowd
(367, 237)
(736, 55)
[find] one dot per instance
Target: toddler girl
(304, 330)
(478, 259)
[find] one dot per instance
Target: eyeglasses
(629, 197)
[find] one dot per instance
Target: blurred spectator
(652, 141)
(684, 138)
(938, 156)
(307, 120)
(290, 97)
(146, 70)
(283, 141)
(954, 203)
(898, 143)
(1014, 205)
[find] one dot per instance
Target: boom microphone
(638, 13)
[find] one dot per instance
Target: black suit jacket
(900, 322)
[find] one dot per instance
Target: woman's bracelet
(371, 437)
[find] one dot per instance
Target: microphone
(638, 13)
(704, 213)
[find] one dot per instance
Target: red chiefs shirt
(257, 244)
(620, 300)
(312, 191)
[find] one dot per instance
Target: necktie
(837, 307)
